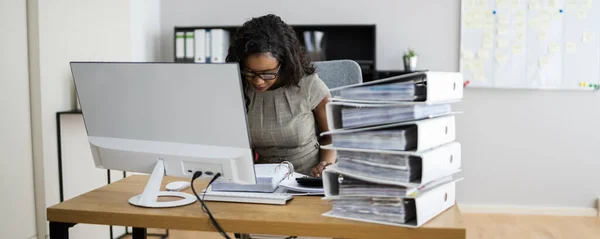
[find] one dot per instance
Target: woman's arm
(327, 157)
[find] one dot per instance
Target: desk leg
(60, 230)
(139, 233)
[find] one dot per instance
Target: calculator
(308, 181)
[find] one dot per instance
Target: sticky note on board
(545, 16)
(587, 4)
(503, 19)
(483, 54)
(544, 61)
(571, 4)
(556, 15)
(535, 23)
(520, 36)
(501, 3)
(517, 49)
(502, 31)
(542, 36)
(479, 76)
(552, 3)
(500, 57)
(468, 55)
(488, 44)
(534, 4)
(488, 35)
(477, 16)
(502, 42)
(553, 48)
(478, 65)
(488, 26)
(468, 65)
(469, 3)
(515, 3)
(582, 14)
(519, 18)
(587, 36)
(520, 27)
(571, 47)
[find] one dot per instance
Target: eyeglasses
(263, 75)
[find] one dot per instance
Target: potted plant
(410, 60)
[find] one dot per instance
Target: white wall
(520, 147)
(145, 30)
(16, 165)
(61, 32)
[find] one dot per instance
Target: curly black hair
(269, 34)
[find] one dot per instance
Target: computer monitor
(166, 119)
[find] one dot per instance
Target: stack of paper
(405, 91)
(351, 187)
(393, 210)
(354, 116)
(400, 138)
(391, 172)
(396, 155)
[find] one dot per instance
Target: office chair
(338, 73)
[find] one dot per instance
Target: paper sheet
(571, 47)
(587, 36)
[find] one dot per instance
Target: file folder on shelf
(429, 133)
(428, 202)
(189, 47)
(219, 44)
(200, 46)
(434, 163)
(429, 87)
(180, 46)
(354, 115)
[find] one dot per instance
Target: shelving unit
(354, 42)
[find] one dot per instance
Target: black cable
(205, 209)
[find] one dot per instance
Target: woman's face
(261, 71)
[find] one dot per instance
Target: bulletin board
(531, 44)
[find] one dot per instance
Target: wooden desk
(108, 205)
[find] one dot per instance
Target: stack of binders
(397, 155)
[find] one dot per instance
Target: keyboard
(247, 197)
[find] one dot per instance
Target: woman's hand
(327, 156)
(318, 170)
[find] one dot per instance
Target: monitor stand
(149, 198)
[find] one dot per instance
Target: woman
(284, 96)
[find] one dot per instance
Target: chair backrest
(338, 73)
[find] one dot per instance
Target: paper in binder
(402, 168)
(419, 87)
(361, 115)
(406, 136)
(408, 173)
(392, 210)
(396, 91)
(416, 207)
(351, 187)
(397, 138)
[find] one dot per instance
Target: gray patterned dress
(282, 123)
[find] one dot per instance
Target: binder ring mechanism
(289, 166)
